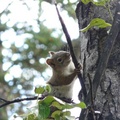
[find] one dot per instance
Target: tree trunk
(106, 96)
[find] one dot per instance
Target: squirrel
(64, 74)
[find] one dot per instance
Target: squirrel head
(59, 60)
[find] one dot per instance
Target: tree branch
(72, 52)
(6, 8)
(1, 99)
(6, 102)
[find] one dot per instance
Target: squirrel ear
(49, 61)
(51, 52)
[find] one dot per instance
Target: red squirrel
(64, 74)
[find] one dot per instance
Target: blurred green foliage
(28, 57)
(51, 107)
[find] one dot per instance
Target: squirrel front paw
(79, 68)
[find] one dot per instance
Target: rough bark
(107, 98)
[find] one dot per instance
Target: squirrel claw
(79, 67)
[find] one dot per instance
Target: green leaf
(42, 89)
(56, 114)
(100, 23)
(81, 105)
(36, 118)
(57, 105)
(48, 88)
(96, 2)
(31, 117)
(48, 100)
(68, 106)
(66, 113)
(43, 111)
(86, 1)
(39, 90)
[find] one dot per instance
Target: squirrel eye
(59, 60)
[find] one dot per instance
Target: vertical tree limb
(72, 52)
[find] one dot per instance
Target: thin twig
(6, 8)
(1, 99)
(19, 100)
(6, 102)
(72, 52)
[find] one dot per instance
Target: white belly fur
(63, 91)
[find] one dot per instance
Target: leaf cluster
(51, 107)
